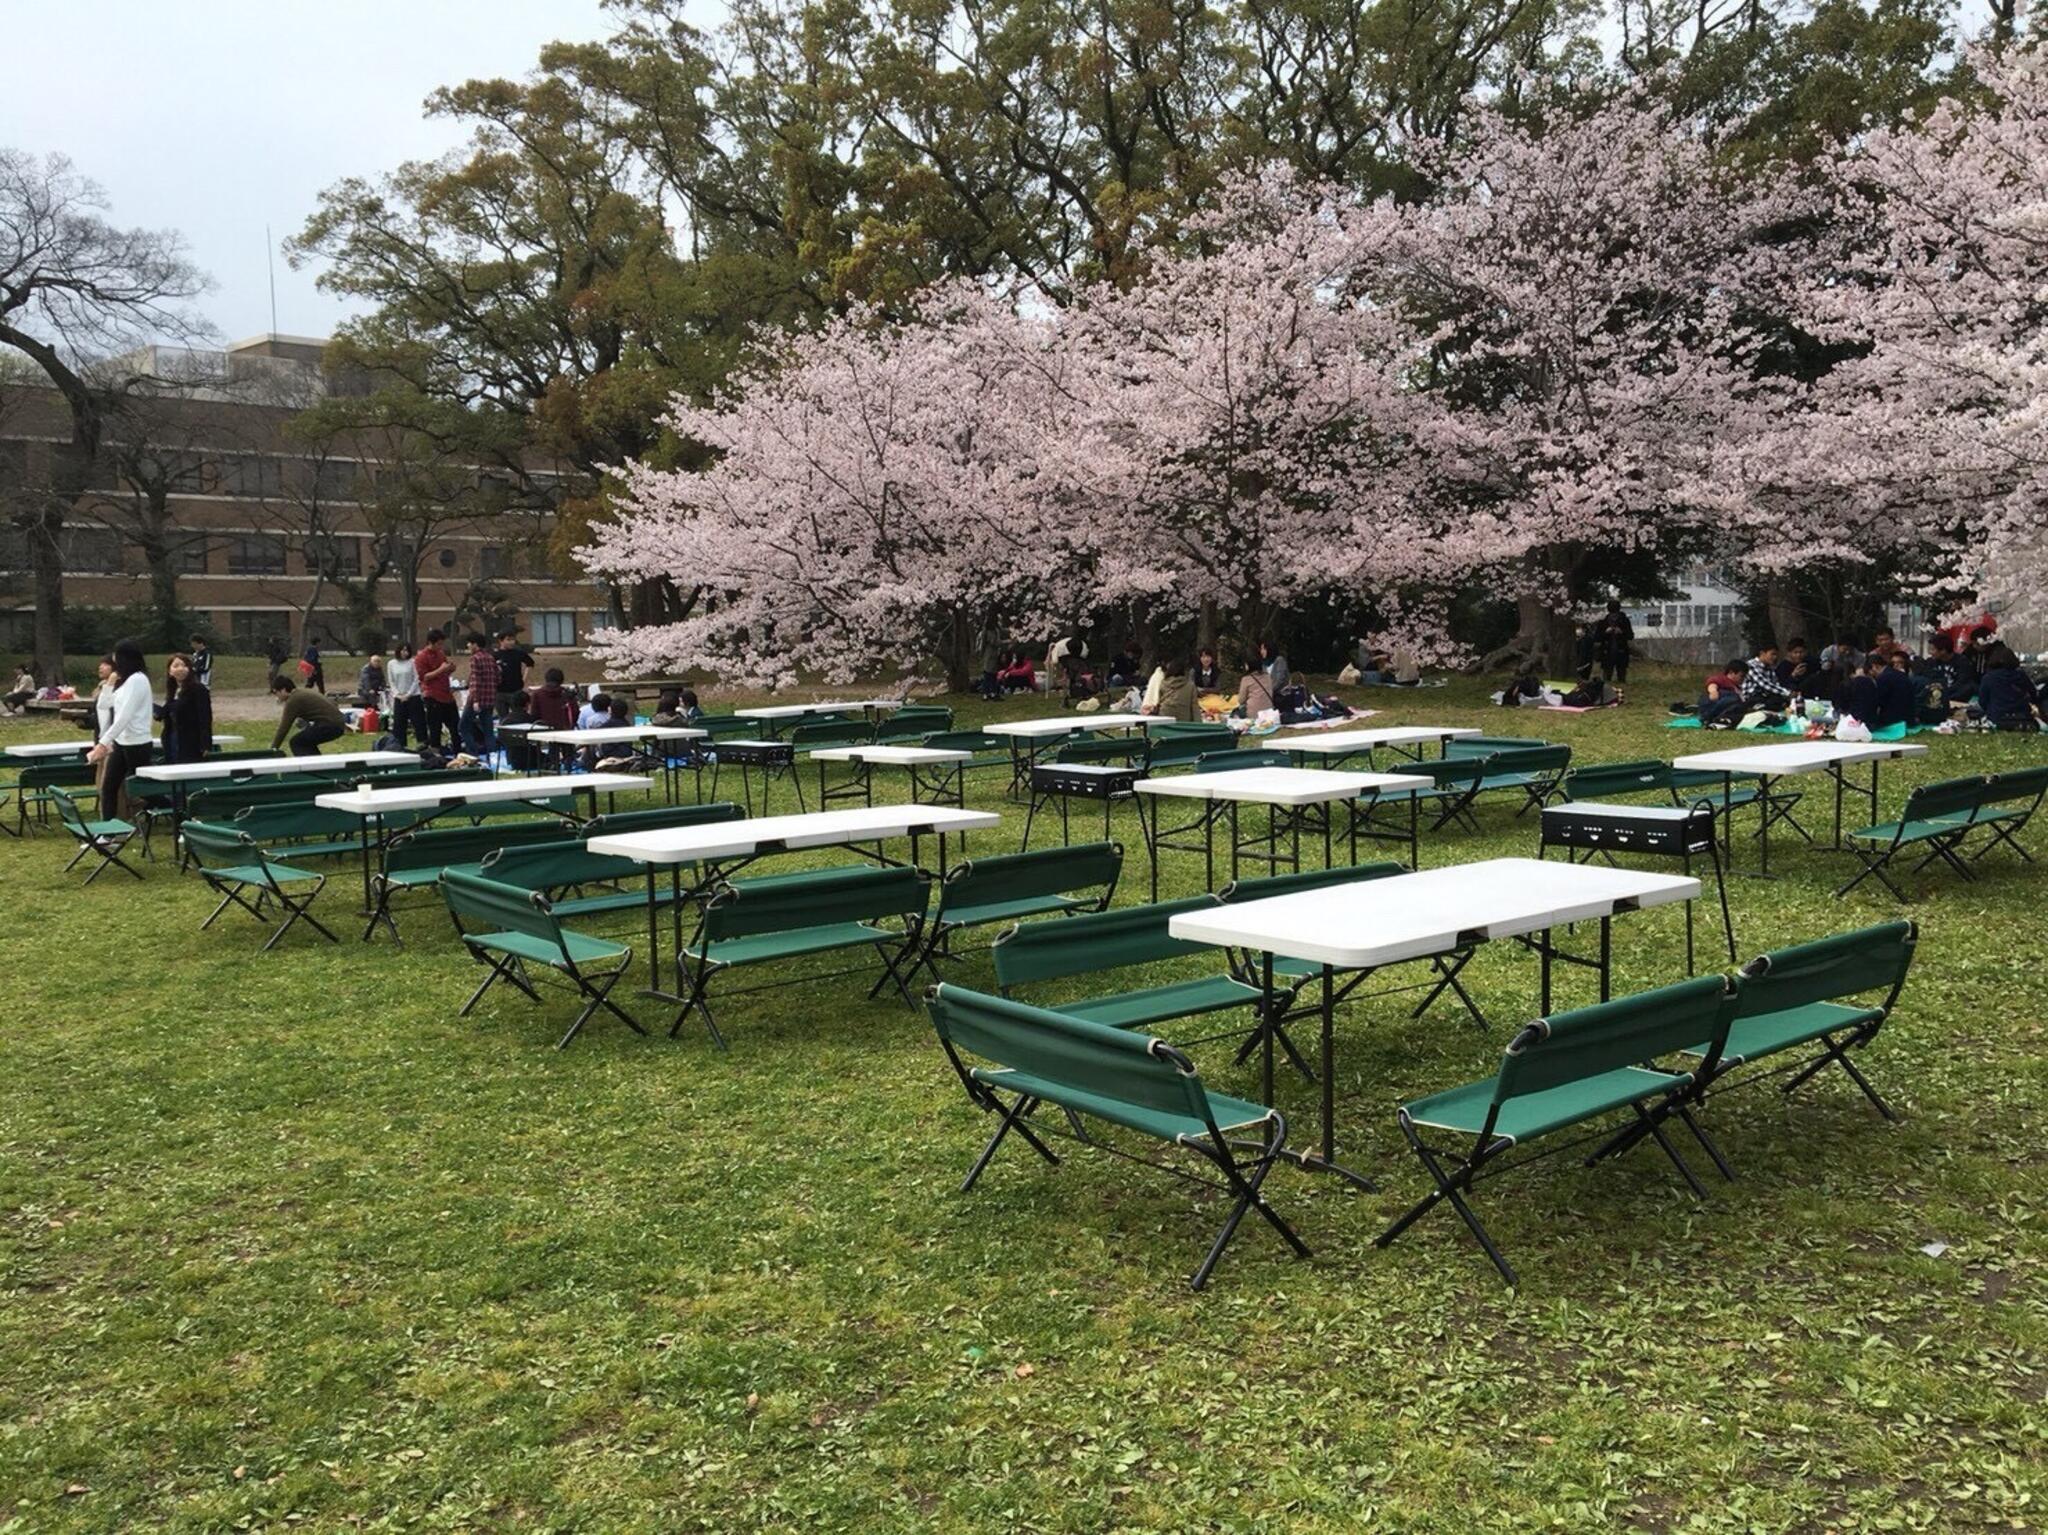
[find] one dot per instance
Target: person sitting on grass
(1799, 671)
(24, 689)
(317, 716)
(1761, 688)
(2009, 698)
(1721, 696)
(1171, 692)
(1017, 674)
(1896, 700)
(518, 750)
(553, 706)
(596, 714)
(1254, 689)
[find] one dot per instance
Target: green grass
(285, 1241)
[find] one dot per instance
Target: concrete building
(266, 534)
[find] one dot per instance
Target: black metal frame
(900, 963)
(231, 895)
(775, 759)
(1242, 1178)
(595, 986)
(109, 845)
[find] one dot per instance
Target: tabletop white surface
(1796, 757)
(792, 711)
(474, 791)
(1279, 785)
(80, 747)
(191, 772)
(1068, 724)
(899, 756)
(599, 735)
(819, 828)
(1337, 742)
(1412, 916)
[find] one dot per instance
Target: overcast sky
(215, 117)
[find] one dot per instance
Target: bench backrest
(1828, 969)
(1486, 746)
(662, 817)
(724, 726)
(2021, 783)
(1095, 941)
(1077, 1053)
(1032, 875)
(853, 894)
(1102, 749)
(980, 742)
(557, 862)
(1262, 887)
(503, 908)
(1170, 748)
(437, 847)
(268, 823)
(72, 818)
(914, 724)
(815, 733)
(1948, 798)
(215, 801)
(54, 775)
(1529, 759)
(1236, 761)
(1612, 780)
(1629, 1031)
(215, 846)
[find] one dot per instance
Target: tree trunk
(962, 654)
(163, 593)
(46, 560)
(1206, 625)
(1787, 615)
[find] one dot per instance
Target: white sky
(214, 117)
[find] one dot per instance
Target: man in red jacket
(437, 687)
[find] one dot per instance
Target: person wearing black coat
(1614, 638)
(1896, 699)
(2005, 693)
(187, 713)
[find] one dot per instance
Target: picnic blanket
(1798, 728)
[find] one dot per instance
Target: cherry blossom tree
(1592, 294)
(880, 494)
(1930, 438)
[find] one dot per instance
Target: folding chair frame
(595, 986)
(231, 895)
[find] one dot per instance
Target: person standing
(402, 676)
(316, 674)
(187, 711)
(513, 660)
(437, 687)
(480, 699)
(1614, 643)
(274, 651)
(202, 662)
(126, 710)
(103, 699)
(317, 716)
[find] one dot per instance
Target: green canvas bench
(2011, 800)
(1093, 944)
(1009, 887)
(1237, 760)
(1535, 770)
(769, 921)
(44, 784)
(516, 929)
(414, 860)
(1937, 818)
(106, 838)
(1559, 1073)
(1823, 993)
(558, 866)
(1488, 746)
(1184, 745)
(233, 865)
(1453, 785)
(1607, 781)
(988, 751)
(1026, 1056)
(909, 726)
(1127, 750)
(660, 818)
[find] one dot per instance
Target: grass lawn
(285, 1241)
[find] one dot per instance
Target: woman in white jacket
(126, 712)
(408, 710)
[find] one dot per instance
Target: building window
(190, 560)
(255, 554)
(335, 556)
(552, 630)
(93, 551)
(599, 619)
(335, 480)
(490, 563)
(249, 632)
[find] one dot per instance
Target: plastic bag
(1850, 728)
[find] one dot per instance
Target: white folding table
(625, 735)
(721, 847)
(1364, 927)
(1291, 796)
(211, 770)
(1407, 740)
(1792, 759)
(1029, 739)
(374, 806)
(46, 750)
(933, 771)
(775, 716)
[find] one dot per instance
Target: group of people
(415, 690)
(1884, 684)
(1173, 686)
(126, 713)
